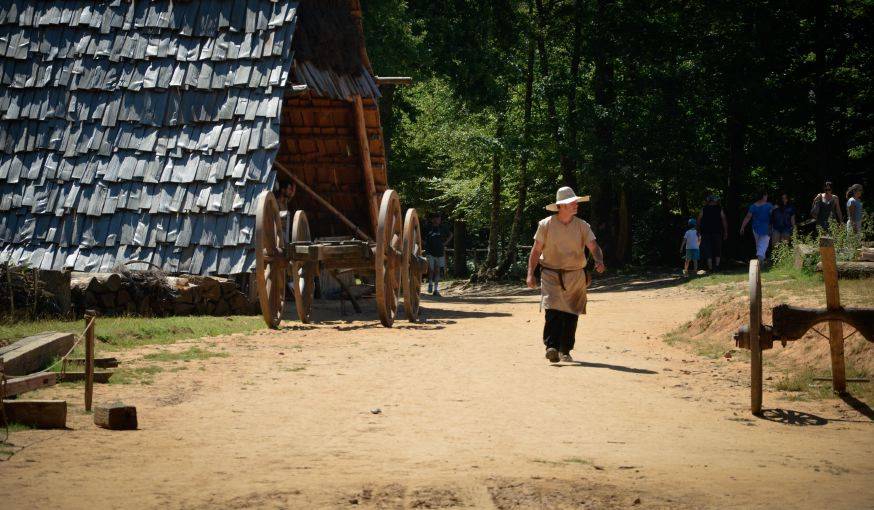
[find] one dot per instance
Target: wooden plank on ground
(23, 384)
(98, 362)
(99, 377)
(116, 416)
(34, 353)
(41, 414)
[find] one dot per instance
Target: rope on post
(89, 358)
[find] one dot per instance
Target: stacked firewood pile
(27, 293)
(153, 294)
(206, 295)
(123, 292)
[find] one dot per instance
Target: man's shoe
(566, 357)
(430, 288)
(552, 355)
(436, 293)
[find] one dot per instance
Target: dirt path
(472, 416)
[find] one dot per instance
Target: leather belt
(560, 272)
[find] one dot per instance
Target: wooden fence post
(833, 302)
(89, 358)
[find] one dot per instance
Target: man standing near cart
(559, 250)
(436, 237)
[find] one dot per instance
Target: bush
(846, 244)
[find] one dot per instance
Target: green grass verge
(710, 348)
(784, 283)
(194, 353)
(768, 275)
(125, 332)
(18, 427)
(801, 386)
(135, 375)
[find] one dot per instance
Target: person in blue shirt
(854, 209)
(782, 221)
(760, 215)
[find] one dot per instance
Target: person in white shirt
(691, 245)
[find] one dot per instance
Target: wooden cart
(791, 323)
(394, 259)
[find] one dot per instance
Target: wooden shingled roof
(145, 130)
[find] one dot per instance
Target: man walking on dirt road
(559, 250)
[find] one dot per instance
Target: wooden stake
(755, 287)
(327, 205)
(89, 358)
(366, 164)
(833, 302)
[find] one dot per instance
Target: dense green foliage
(646, 106)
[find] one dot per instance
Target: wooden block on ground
(41, 414)
(19, 385)
(99, 377)
(116, 416)
(98, 362)
(36, 352)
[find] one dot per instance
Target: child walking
(691, 244)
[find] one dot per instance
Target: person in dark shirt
(782, 221)
(714, 230)
(825, 206)
(436, 237)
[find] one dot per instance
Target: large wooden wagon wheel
(270, 261)
(411, 274)
(755, 288)
(388, 257)
(303, 273)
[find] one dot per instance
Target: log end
(116, 416)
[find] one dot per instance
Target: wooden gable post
(364, 150)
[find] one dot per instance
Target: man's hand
(531, 281)
(600, 267)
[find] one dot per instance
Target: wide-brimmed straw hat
(565, 195)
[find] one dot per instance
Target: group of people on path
(771, 224)
(774, 224)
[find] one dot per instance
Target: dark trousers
(560, 330)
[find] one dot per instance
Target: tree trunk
(386, 104)
(821, 94)
(567, 157)
(568, 178)
(495, 220)
(522, 188)
(604, 152)
(736, 135)
(623, 238)
(459, 244)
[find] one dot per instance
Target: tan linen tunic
(563, 248)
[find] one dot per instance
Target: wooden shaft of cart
(327, 205)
